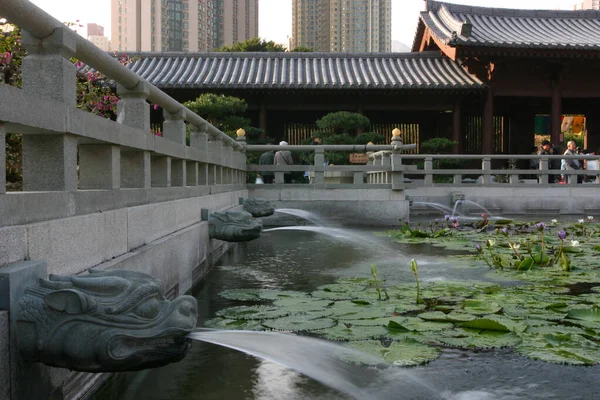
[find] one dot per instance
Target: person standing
(571, 164)
(267, 158)
(284, 157)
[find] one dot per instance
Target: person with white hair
(284, 157)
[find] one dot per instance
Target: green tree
(343, 122)
(302, 49)
(215, 108)
(253, 45)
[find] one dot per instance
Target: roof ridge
(298, 55)
(433, 5)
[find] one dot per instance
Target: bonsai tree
(343, 122)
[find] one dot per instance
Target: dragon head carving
(259, 207)
(107, 321)
(233, 226)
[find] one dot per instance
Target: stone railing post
(319, 162)
(386, 162)
(214, 149)
(457, 179)
(428, 168)
(2, 158)
(240, 160)
(397, 180)
(543, 179)
(486, 166)
(226, 159)
(174, 129)
(50, 161)
(199, 141)
(134, 111)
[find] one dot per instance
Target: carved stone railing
(423, 174)
(69, 150)
(354, 176)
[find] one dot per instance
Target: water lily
(447, 217)
(478, 248)
(490, 243)
(562, 234)
(504, 231)
(590, 218)
(554, 221)
(575, 243)
(581, 221)
(540, 226)
(514, 246)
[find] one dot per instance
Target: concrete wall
(358, 207)
(554, 200)
(167, 240)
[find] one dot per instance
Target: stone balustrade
(69, 150)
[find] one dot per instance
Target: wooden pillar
(263, 117)
(457, 128)
(555, 114)
(487, 140)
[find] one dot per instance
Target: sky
(275, 16)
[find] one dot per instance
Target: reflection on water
(301, 260)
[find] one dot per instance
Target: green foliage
(438, 146)
(301, 49)
(343, 122)
(216, 107)
(253, 45)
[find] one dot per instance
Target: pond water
(304, 260)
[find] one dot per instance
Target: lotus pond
(499, 309)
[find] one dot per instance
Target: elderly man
(284, 157)
(571, 164)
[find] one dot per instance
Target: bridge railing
(66, 149)
(423, 170)
(321, 173)
(388, 168)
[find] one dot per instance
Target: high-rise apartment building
(587, 5)
(235, 21)
(342, 25)
(181, 25)
(95, 34)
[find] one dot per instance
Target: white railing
(391, 169)
(322, 173)
(66, 149)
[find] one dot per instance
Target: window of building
(185, 25)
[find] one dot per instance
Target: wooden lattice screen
(473, 129)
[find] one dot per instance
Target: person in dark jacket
(267, 158)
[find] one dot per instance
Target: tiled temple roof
(461, 25)
(427, 70)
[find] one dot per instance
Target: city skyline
(275, 16)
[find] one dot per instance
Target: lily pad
(442, 317)
(591, 315)
(260, 294)
(349, 332)
(294, 305)
(495, 323)
(253, 312)
(297, 323)
(405, 353)
(418, 325)
(560, 348)
(481, 307)
(233, 324)
(476, 339)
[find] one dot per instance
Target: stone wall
(352, 207)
